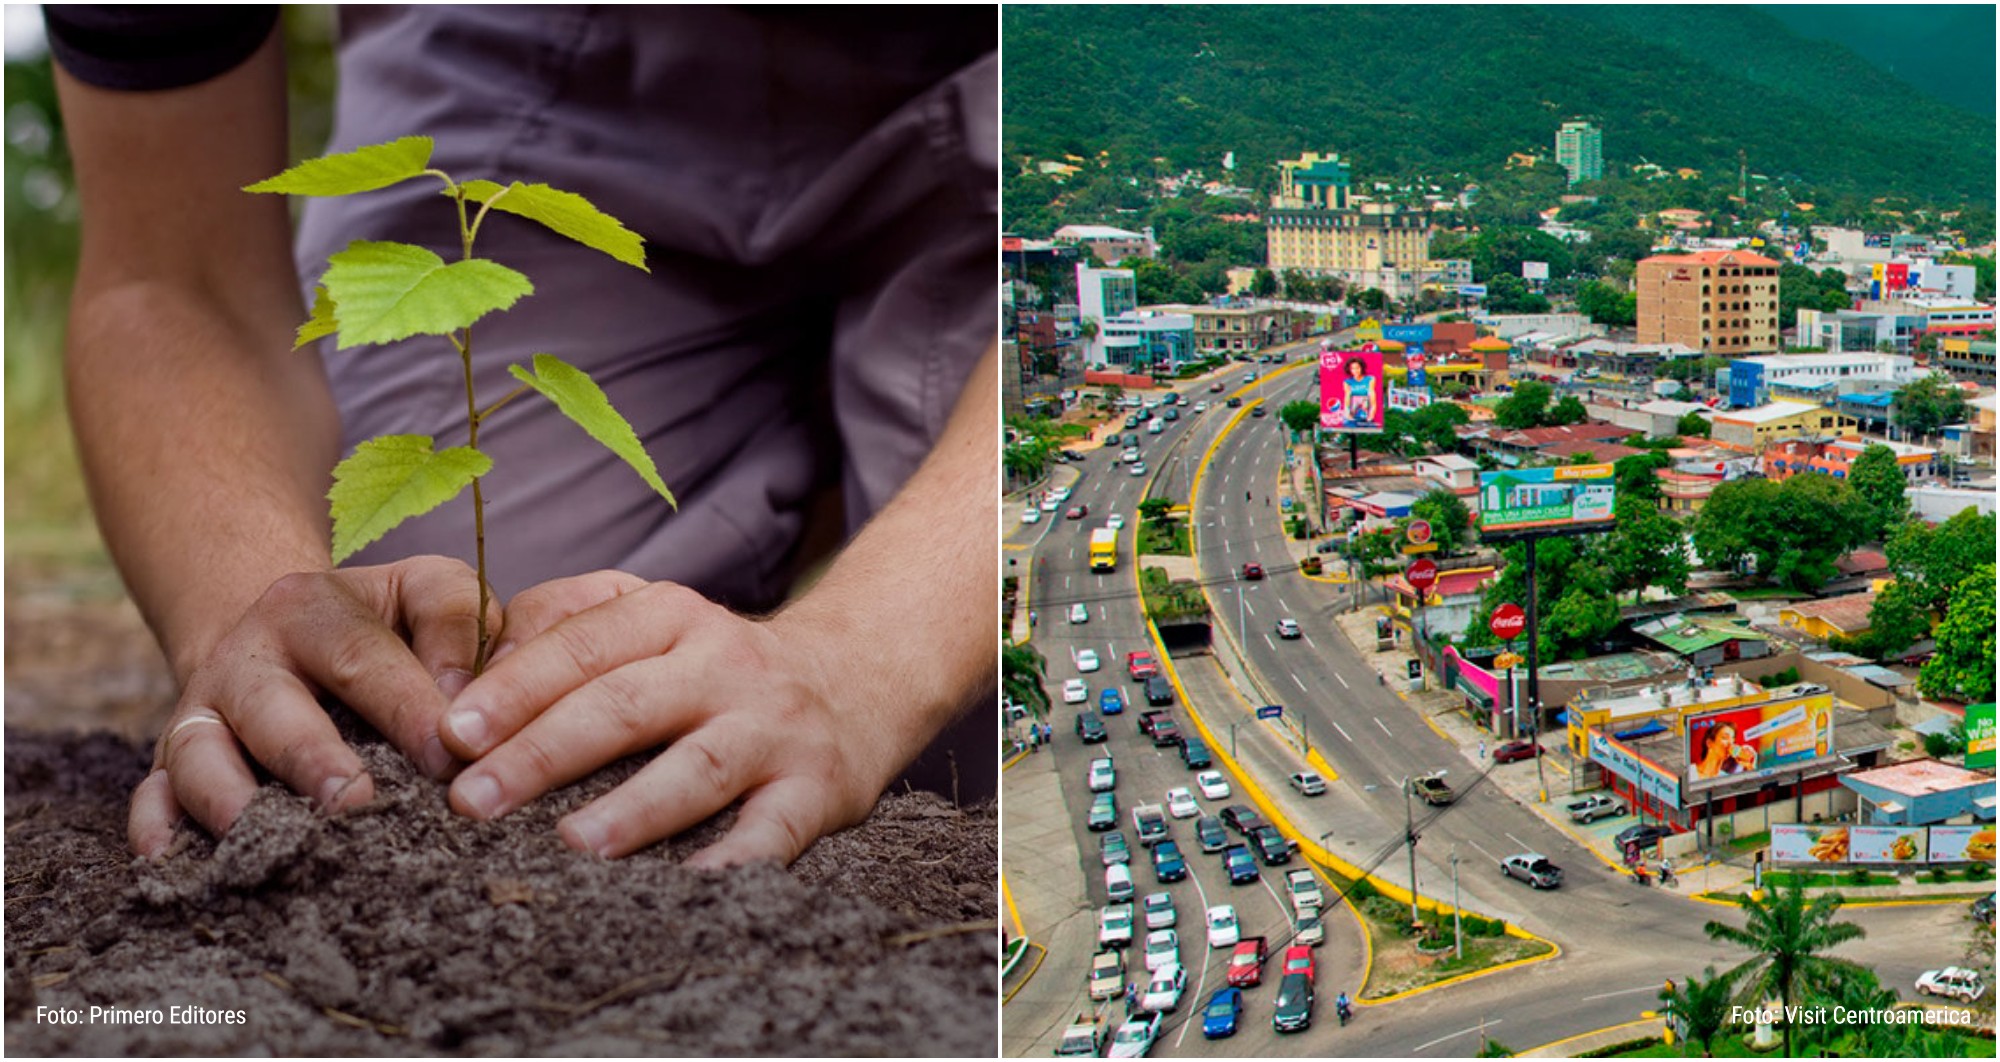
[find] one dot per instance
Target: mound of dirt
(401, 928)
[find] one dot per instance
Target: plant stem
(495, 407)
(472, 428)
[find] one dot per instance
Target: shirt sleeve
(133, 48)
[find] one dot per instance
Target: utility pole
(1534, 681)
(1410, 842)
(1457, 924)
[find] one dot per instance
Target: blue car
(1218, 1019)
(1111, 701)
(1168, 863)
(1241, 864)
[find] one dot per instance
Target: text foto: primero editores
(175, 1015)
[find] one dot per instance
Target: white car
(1163, 994)
(1306, 928)
(1222, 928)
(1201, 407)
(1114, 521)
(1079, 613)
(1086, 660)
(1138, 468)
(1212, 785)
(1075, 692)
(1051, 503)
(1160, 913)
(1134, 1039)
(1130, 454)
(1180, 803)
(1114, 925)
(1062, 494)
(1031, 515)
(1163, 948)
(1250, 377)
(1953, 982)
(1118, 882)
(1103, 775)
(1288, 628)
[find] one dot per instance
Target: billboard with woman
(1352, 390)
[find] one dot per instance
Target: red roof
(1862, 560)
(1602, 453)
(1449, 584)
(1536, 438)
(1714, 257)
(1847, 613)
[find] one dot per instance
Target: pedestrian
(1482, 752)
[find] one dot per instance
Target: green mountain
(1438, 90)
(1944, 50)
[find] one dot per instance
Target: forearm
(905, 619)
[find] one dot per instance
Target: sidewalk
(1040, 866)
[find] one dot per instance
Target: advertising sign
(1369, 330)
(1629, 765)
(1414, 363)
(1738, 743)
(1411, 336)
(1534, 271)
(1508, 622)
(1563, 497)
(1422, 576)
(1810, 844)
(1409, 399)
(1271, 711)
(1979, 736)
(1353, 394)
(1885, 844)
(1962, 844)
(1472, 291)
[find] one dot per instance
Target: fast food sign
(1833, 843)
(1757, 741)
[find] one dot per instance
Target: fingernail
(330, 790)
(434, 760)
(499, 651)
(480, 793)
(585, 832)
(469, 727)
(454, 681)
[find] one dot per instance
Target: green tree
(1637, 477)
(1895, 622)
(1646, 548)
(1701, 1006)
(1853, 989)
(1568, 410)
(1786, 934)
(1155, 509)
(1925, 405)
(1527, 407)
(1370, 299)
(1508, 293)
(1450, 520)
(1021, 672)
(1934, 560)
(1693, 423)
(1790, 533)
(1301, 416)
(1878, 479)
(1963, 666)
(1606, 305)
(1379, 551)
(1264, 284)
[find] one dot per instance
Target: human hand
(339, 631)
(601, 666)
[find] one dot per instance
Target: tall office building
(1580, 150)
(1317, 225)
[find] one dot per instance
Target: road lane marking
(1246, 606)
(1274, 646)
(1343, 682)
(1065, 582)
(1622, 992)
(1315, 645)
(1482, 851)
(1524, 845)
(1343, 731)
(1385, 730)
(1295, 679)
(1456, 1035)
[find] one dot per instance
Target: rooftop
(1740, 258)
(1778, 410)
(1670, 408)
(1691, 634)
(1537, 438)
(1916, 778)
(1680, 696)
(1848, 612)
(1600, 452)
(1096, 232)
(1453, 462)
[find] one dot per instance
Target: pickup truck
(1166, 733)
(1151, 824)
(1084, 1038)
(1147, 720)
(1246, 963)
(1433, 791)
(1303, 885)
(1107, 975)
(1594, 807)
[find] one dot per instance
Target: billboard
(1620, 760)
(1962, 844)
(1414, 362)
(1738, 743)
(1409, 399)
(1534, 271)
(1566, 497)
(1979, 736)
(1880, 845)
(1352, 390)
(1411, 336)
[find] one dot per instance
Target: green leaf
(321, 323)
(567, 213)
(361, 170)
(581, 400)
(389, 479)
(383, 292)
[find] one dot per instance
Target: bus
(1104, 550)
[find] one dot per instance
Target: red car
(1141, 666)
(1078, 512)
(1253, 572)
(1246, 964)
(1517, 750)
(1299, 959)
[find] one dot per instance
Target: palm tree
(1701, 1006)
(1857, 989)
(1787, 933)
(1021, 671)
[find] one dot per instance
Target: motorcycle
(1640, 877)
(1345, 1011)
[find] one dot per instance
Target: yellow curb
(1553, 1045)
(1014, 759)
(1432, 723)
(1724, 901)
(1012, 912)
(1318, 763)
(1041, 953)
(1016, 545)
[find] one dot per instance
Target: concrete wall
(1852, 691)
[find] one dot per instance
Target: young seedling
(381, 292)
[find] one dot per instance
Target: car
(1533, 868)
(1111, 700)
(1151, 404)
(1303, 887)
(1223, 931)
(1111, 440)
(1240, 818)
(1138, 468)
(1132, 421)
(1114, 521)
(1250, 377)
(1107, 975)
(1141, 666)
(1246, 963)
(1129, 455)
(1953, 982)
(1293, 1010)
(1084, 1038)
(1253, 572)
(1308, 783)
(1171, 414)
(1166, 732)
(1159, 691)
(1194, 753)
(1163, 949)
(1982, 909)
(1051, 504)
(1259, 411)
(1593, 807)
(1209, 834)
(1159, 908)
(1062, 494)
(1090, 728)
(1103, 775)
(1234, 402)
(1086, 660)
(1517, 750)
(1201, 407)
(1306, 928)
(1075, 691)
(1135, 1037)
(1078, 512)
(1289, 628)
(1168, 863)
(1031, 515)
(1299, 960)
(1072, 456)
(1218, 1018)
(1644, 836)
(1432, 790)
(1118, 882)
(1114, 925)
(1114, 848)
(1103, 813)
(1079, 613)
(1163, 992)
(1216, 387)
(1272, 845)
(1212, 785)
(1180, 803)
(1149, 824)
(1241, 865)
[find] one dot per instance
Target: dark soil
(401, 928)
